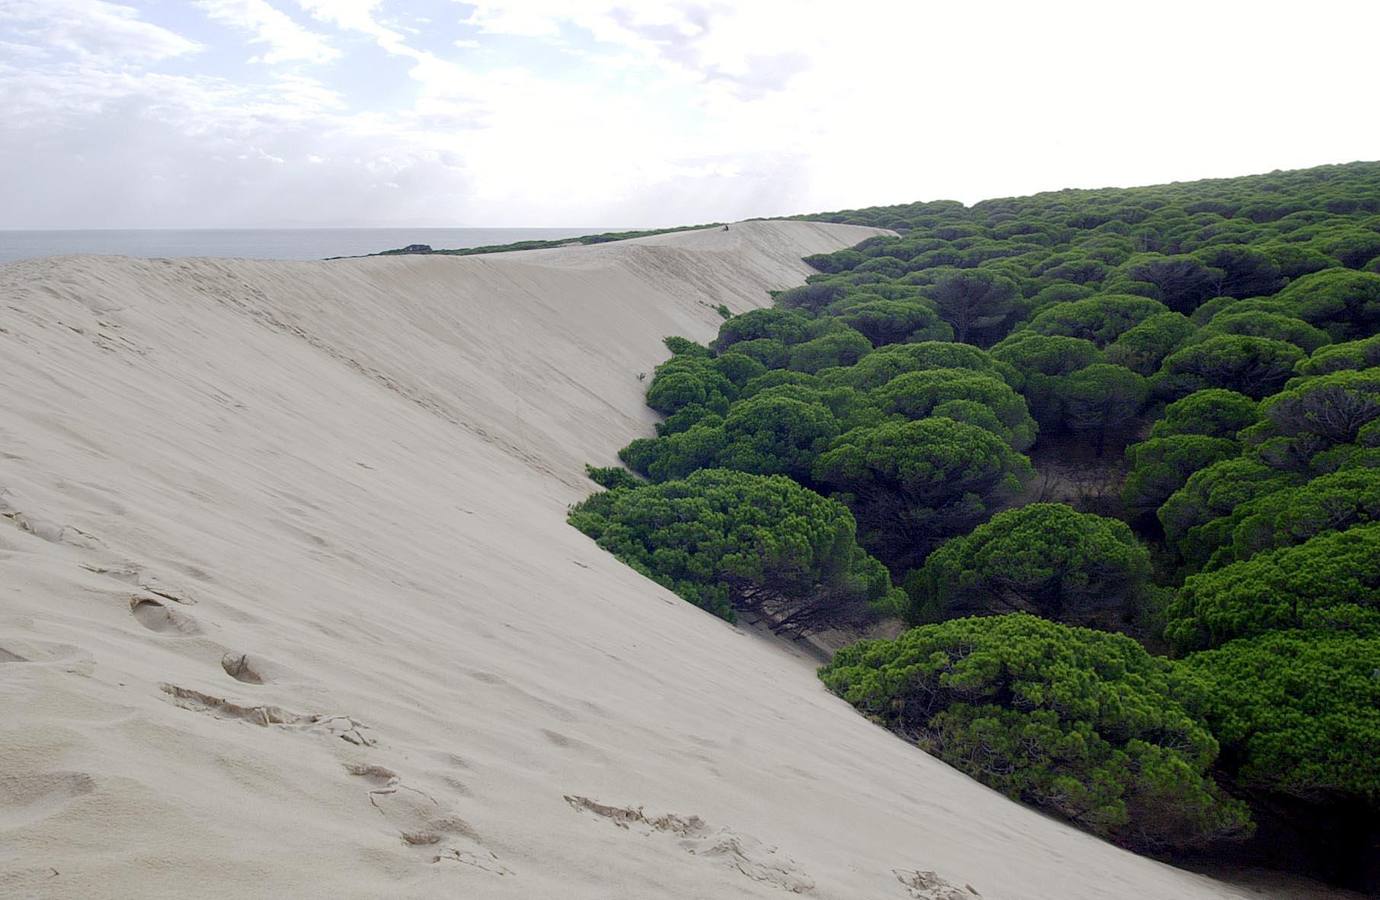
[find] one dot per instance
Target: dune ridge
(289, 606)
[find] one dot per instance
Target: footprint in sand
(31, 653)
(25, 799)
(422, 823)
(157, 616)
(130, 573)
(341, 726)
(48, 531)
(927, 885)
(741, 852)
(251, 668)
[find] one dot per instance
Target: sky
(282, 113)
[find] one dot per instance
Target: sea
(263, 243)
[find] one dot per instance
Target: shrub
(785, 325)
(1142, 348)
(812, 297)
(1297, 712)
(1101, 401)
(680, 346)
(1161, 465)
(1362, 354)
(1254, 366)
(1082, 723)
(886, 363)
(729, 541)
(739, 368)
(1213, 412)
(1181, 282)
(1195, 516)
(917, 395)
(1039, 363)
(1044, 558)
(611, 477)
(1100, 319)
(1330, 582)
(974, 303)
(676, 455)
(1293, 514)
(773, 434)
(686, 380)
(1269, 325)
(1247, 272)
(839, 348)
(1343, 302)
(1333, 407)
(768, 351)
(914, 484)
(895, 321)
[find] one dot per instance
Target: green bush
(1333, 407)
(1296, 712)
(912, 485)
(1213, 412)
(689, 380)
(771, 435)
(676, 455)
(896, 321)
(1044, 558)
(917, 395)
(1143, 348)
(974, 303)
(1162, 465)
(839, 348)
(739, 368)
(1196, 517)
(729, 541)
(770, 352)
(1039, 363)
(1181, 282)
(1293, 514)
(611, 477)
(1344, 303)
(1330, 582)
(1362, 354)
(1101, 402)
(1082, 723)
(886, 363)
(1269, 325)
(1254, 366)
(1247, 272)
(1100, 319)
(787, 326)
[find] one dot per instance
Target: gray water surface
(262, 243)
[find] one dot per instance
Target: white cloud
(656, 112)
(284, 38)
(357, 15)
(93, 29)
(496, 18)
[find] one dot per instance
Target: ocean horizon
(261, 243)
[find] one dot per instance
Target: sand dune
(289, 608)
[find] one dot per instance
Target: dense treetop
(728, 541)
(1214, 345)
(1081, 722)
(1044, 558)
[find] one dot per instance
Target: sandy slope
(288, 605)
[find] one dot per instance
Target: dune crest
(289, 607)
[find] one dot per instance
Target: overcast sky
(185, 113)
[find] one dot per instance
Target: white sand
(348, 481)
